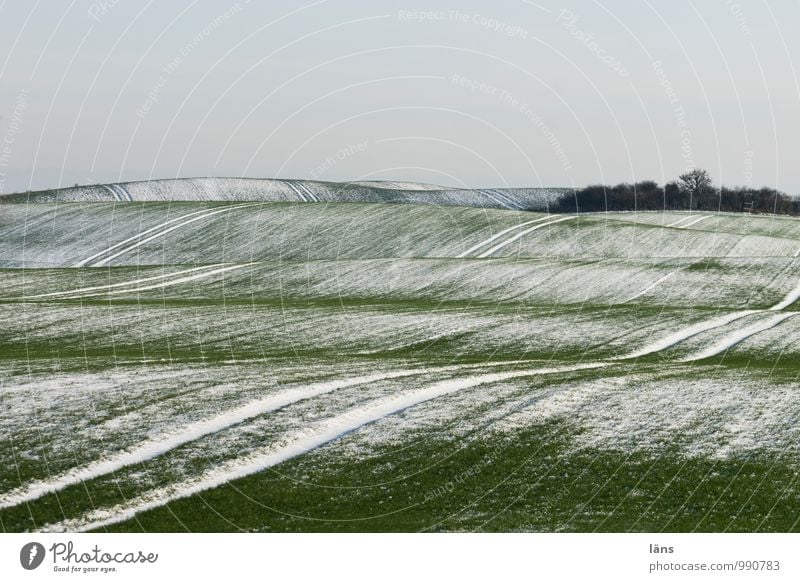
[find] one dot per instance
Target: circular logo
(31, 555)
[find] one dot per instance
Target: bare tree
(697, 183)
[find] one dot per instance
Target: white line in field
(498, 235)
(650, 287)
(489, 194)
(796, 253)
(82, 290)
(738, 336)
(195, 430)
(507, 198)
(686, 333)
(161, 285)
(315, 436)
(296, 191)
(304, 187)
(111, 191)
(140, 235)
(167, 231)
(507, 242)
(790, 298)
(123, 193)
(696, 221)
(677, 222)
(698, 328)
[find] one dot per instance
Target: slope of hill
(274, 190)
(207, 358)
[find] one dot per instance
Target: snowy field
(264, 355)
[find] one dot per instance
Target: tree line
(693, 190)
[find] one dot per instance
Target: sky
(463, 93)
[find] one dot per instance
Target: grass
(529, 482)
(316, 315)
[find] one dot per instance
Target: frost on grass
(717, 416)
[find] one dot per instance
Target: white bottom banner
(354, 557)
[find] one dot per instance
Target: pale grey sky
(512, 93)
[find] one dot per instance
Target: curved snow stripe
(168, 283)
(651, 286)
(296, 191)
(500, 201)
(677, 222)
(304, 187)
(123, 193)
(738, 336)
(686, 333)
(493, 238)
(790, 298)
(166, 231)
(507, 242)
(696, 221)
(82, 290)
(162, 444)
(313, 437)
(508, 198)
(113, 192)
(139, 235)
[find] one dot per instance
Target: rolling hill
(282, 355)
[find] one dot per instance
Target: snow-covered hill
(274, 190)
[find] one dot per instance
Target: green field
(269, 365)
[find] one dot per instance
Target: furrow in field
(111, 191)
(304, 187)
(502, 202)
(507, 198)
(164, 232)
(297, 191)
(728, 341)
(695, 221)
(319, 434)
(152, 448)
(152, 229)
(124, 192)
(499, 235)
(519, 235)
(685, 333)
(738, 336)
(79, 290)
(790, 298)
(134, 286)
(677, 222)
(651, 286)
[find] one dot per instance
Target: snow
(519, 235)
(308, 439)
(494, 237)
(276, 327)
(685, 333)
(738, 336)
(277, 190)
